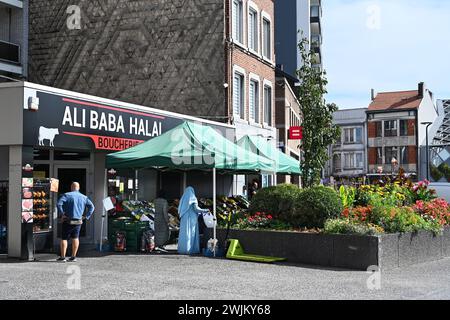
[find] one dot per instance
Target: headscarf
(186, 201)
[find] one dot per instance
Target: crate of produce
(117, 224)
(130, 226)
(142, 225)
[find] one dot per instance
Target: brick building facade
(395, 130)
(287, 114)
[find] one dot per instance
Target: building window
(337, 164)
(238, 95)
(349, 160)
(379, 156)
(390, 128)
(391, 153)
(254, 101)
(267, 39)
(268, 105)
(238, 20)
(403, 128)
(378, 129)
(353, 160)
(358, 135)
(349, 137)
(253, 29)
(359, 160)
(353, 135)
(404, 155)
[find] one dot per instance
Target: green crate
(130, 226)
(117, 224)
(143, 225)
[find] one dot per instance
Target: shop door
(66, 176)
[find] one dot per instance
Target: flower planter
(345, 251)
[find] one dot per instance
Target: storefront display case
(42, 215)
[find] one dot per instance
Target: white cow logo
(47, 134)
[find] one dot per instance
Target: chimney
(421, 89)
(372, 94)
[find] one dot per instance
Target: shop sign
(296, 133)
(63, 122)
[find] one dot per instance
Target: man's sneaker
(72, 259)
(61, 259)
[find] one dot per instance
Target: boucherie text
(109, 122)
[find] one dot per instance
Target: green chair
(236, 252)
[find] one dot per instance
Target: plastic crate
(117, 224)
(130, 226)
(142, 225)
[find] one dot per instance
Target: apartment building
(348, 156)
(287, 114)
(212, 59)
(13, 39)
(397, 131)
(251, 59)
(292, 16)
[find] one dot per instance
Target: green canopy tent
(284, 164)
(191, 146)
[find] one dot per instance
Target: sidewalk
(160, 276)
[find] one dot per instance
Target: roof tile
(391, 101)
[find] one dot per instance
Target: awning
(190, 146)
(284, 164)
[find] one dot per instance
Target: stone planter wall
(342, 251)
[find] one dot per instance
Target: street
(163, 277)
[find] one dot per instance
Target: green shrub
(445, 169)
(316, 205)
(278, 201)
(345, 226)
(436, 174)
(348, 196)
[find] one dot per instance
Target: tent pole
(136, 176)
(214, 209)
(184, 180)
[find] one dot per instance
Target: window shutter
(252, 100)
(235, 19)
(268, 106)
(267, 39)
(237, 95)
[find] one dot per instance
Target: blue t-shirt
(73, 204)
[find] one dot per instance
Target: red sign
(296, 133)
(108, 143)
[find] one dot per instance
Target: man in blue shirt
(71, 207)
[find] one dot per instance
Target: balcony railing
(9, 52)
(316, 11)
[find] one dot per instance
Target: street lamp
(427, 124)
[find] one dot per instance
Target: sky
(387, 45)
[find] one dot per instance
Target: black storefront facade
(50, 138)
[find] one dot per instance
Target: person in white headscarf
(188, 209)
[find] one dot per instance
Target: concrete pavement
(182, 277)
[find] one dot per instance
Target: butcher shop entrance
(54, 136)
(66, 167)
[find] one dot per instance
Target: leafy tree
(319, 132)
